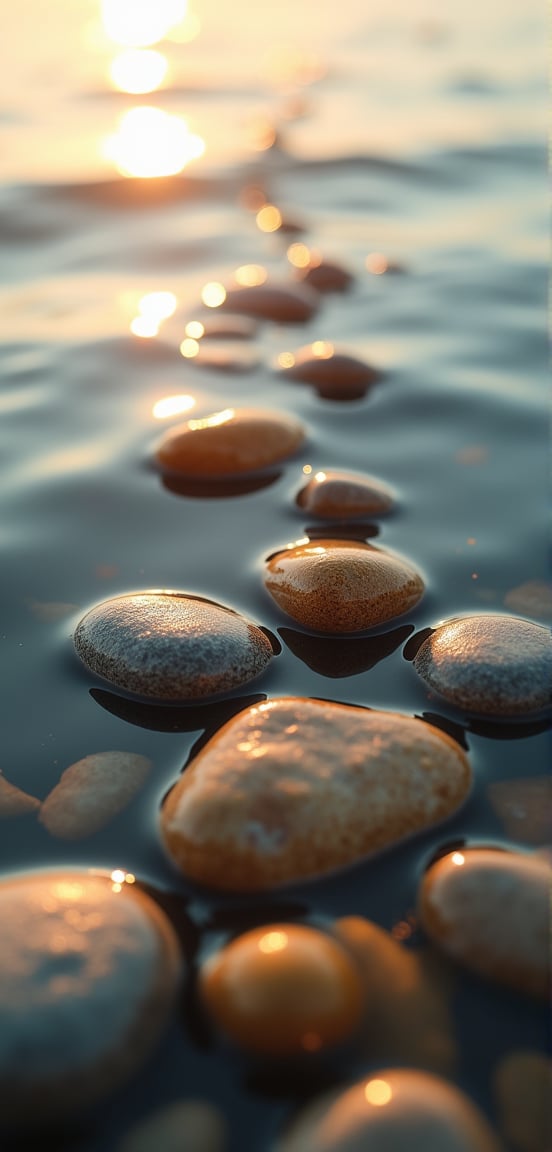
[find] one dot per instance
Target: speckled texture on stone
(284, 304)
(344, 496)
(88, 976)
(490, 911)
(496, 665)
(294, 788)
(92, 792)
(14, 802)
(231, 443)
(332, 373)
(170, 646)
(392, 1110)
(341, 585)
(183, 1126)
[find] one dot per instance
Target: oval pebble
(282, 304)
(334, 375)
(89, 971)
(489, 910)
(493, 665)
(344, 496)
(293, 789)
(282, 989)
(92, 792)
(170, 646)
(183, 1126)
(15, 802)
(341, 585)
(324, 275)
(229, 443)
(392, 1110)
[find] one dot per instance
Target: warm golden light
(269, 218)
(144, 326)
(377, 263)
(138, 71)
(320, 476)
(378, 1092)
(322, 349)
(286, 360)
(307, 469)
(212, 421)
(189, 348)
(186, 30)
(249, 275)
(172, 406)
(151, 143)
(118, 876)
(195, 329)
(137, 23)
(158, 305)
(273, 942)
(299, 255)
(213, 294)
(458, 859)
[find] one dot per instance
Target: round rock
(341, 585)
(283, 989)
(229, 443)
(334, 375)
(284, 305)
(344, 496)
(88, 975)
(494, 665)
(171, 646)
(324, 275)
(292, 789)
(489, 910)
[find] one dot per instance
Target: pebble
(282, 989)
(283, 305)
(15, 802)
(396, 1109)
(292, 789)
(489, 910)
(523, 1091)
(89, 971)
(183, 1126)
(229, 443)
(524, 808)
(92, 792)
(344, 496)
(341, 585)
(325, 275)
(493, 665)
(171, 646)
(334, 375)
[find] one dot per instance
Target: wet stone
(92, 792)
(493, 665)
(283, 305)
(344, 496)
(341, 586)
(171, 646)
(335, 375)
(393, 1108)
(325, 275)
(293, 789)
(282, 989)
(88, 975)
(230, 443)
(489, 910)
(183, 1126)
(15, 802)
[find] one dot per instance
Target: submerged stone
(229, 443)
(494, 665)
(283, 304)
(92, 792)
(171, 646)
(15, 802)
(88, 975)
(341, 585)
(344, 496)
(293, 789)
(334, 375)
(324, 275)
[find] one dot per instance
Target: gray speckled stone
(495, 665)
(171, 646)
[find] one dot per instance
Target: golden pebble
(282, 304)
(334, 375)
(229, 443)
(344, 496)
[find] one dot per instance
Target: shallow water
(417, 133)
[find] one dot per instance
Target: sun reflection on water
(138, 23)
(138, 70)
(172, 406)
(151, 143)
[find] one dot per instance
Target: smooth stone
(325, 275)
(183, 1126)
(230, 443)
(282, 304)
(15, 802)
(89, 971)
(171, 646)
(344, 496)
(392, 1110)
(92, 792)
(489, 910)
(334, 375)
(341, 585)
(493, 665)
(282, 989)
(522, 1084)
(524, 808)
(293, 789)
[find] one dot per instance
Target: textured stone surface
(490, 911)
(392, 1110)
(294, 789)
(283, 988)
(334, 375)
(344, 496)
(170, 646)
(341, 585)
(229, 443)
(522, 1083)
(184, 1126)
(283, 304)
(92, 792)
(497, 665)
(88, 974)
(14, 802)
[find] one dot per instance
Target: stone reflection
(338, 658)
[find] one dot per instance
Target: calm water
(417, 133)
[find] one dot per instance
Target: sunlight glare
(213, 421)
(322, 349)
(138, 23)
(299, 255)
(250, 275)
(158, 305)
(172, 406)
(286, 360)
(273, 942)
(195, 329)
(151, 142)
(458, 859)
(189, 348)
(269, 218)
(213, 294)
(145, 327)
(137, 71)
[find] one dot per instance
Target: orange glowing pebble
(228, 443)
(344, 496)
(283, 989)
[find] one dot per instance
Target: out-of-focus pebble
(324, 275)
(92, 792)
(292, 789)
(184, 1126)
(283, 988)
(522, 1084)
(229, 443)
(341, 585)
(282, 304)
(334, 375)
(490, 911)
(344, 496)
(524, 808)
(15, 802)
(171, 646)
(534, 598)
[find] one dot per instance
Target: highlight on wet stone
(282, 989)
(333, 495)
(92, 792)
(493, 665)
(341, 586)
(229, 443)
(171, 646)
(15, 802)
(391, 1108)
(488, 910)
(335, 375)
(89, 970)
(294, 789)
